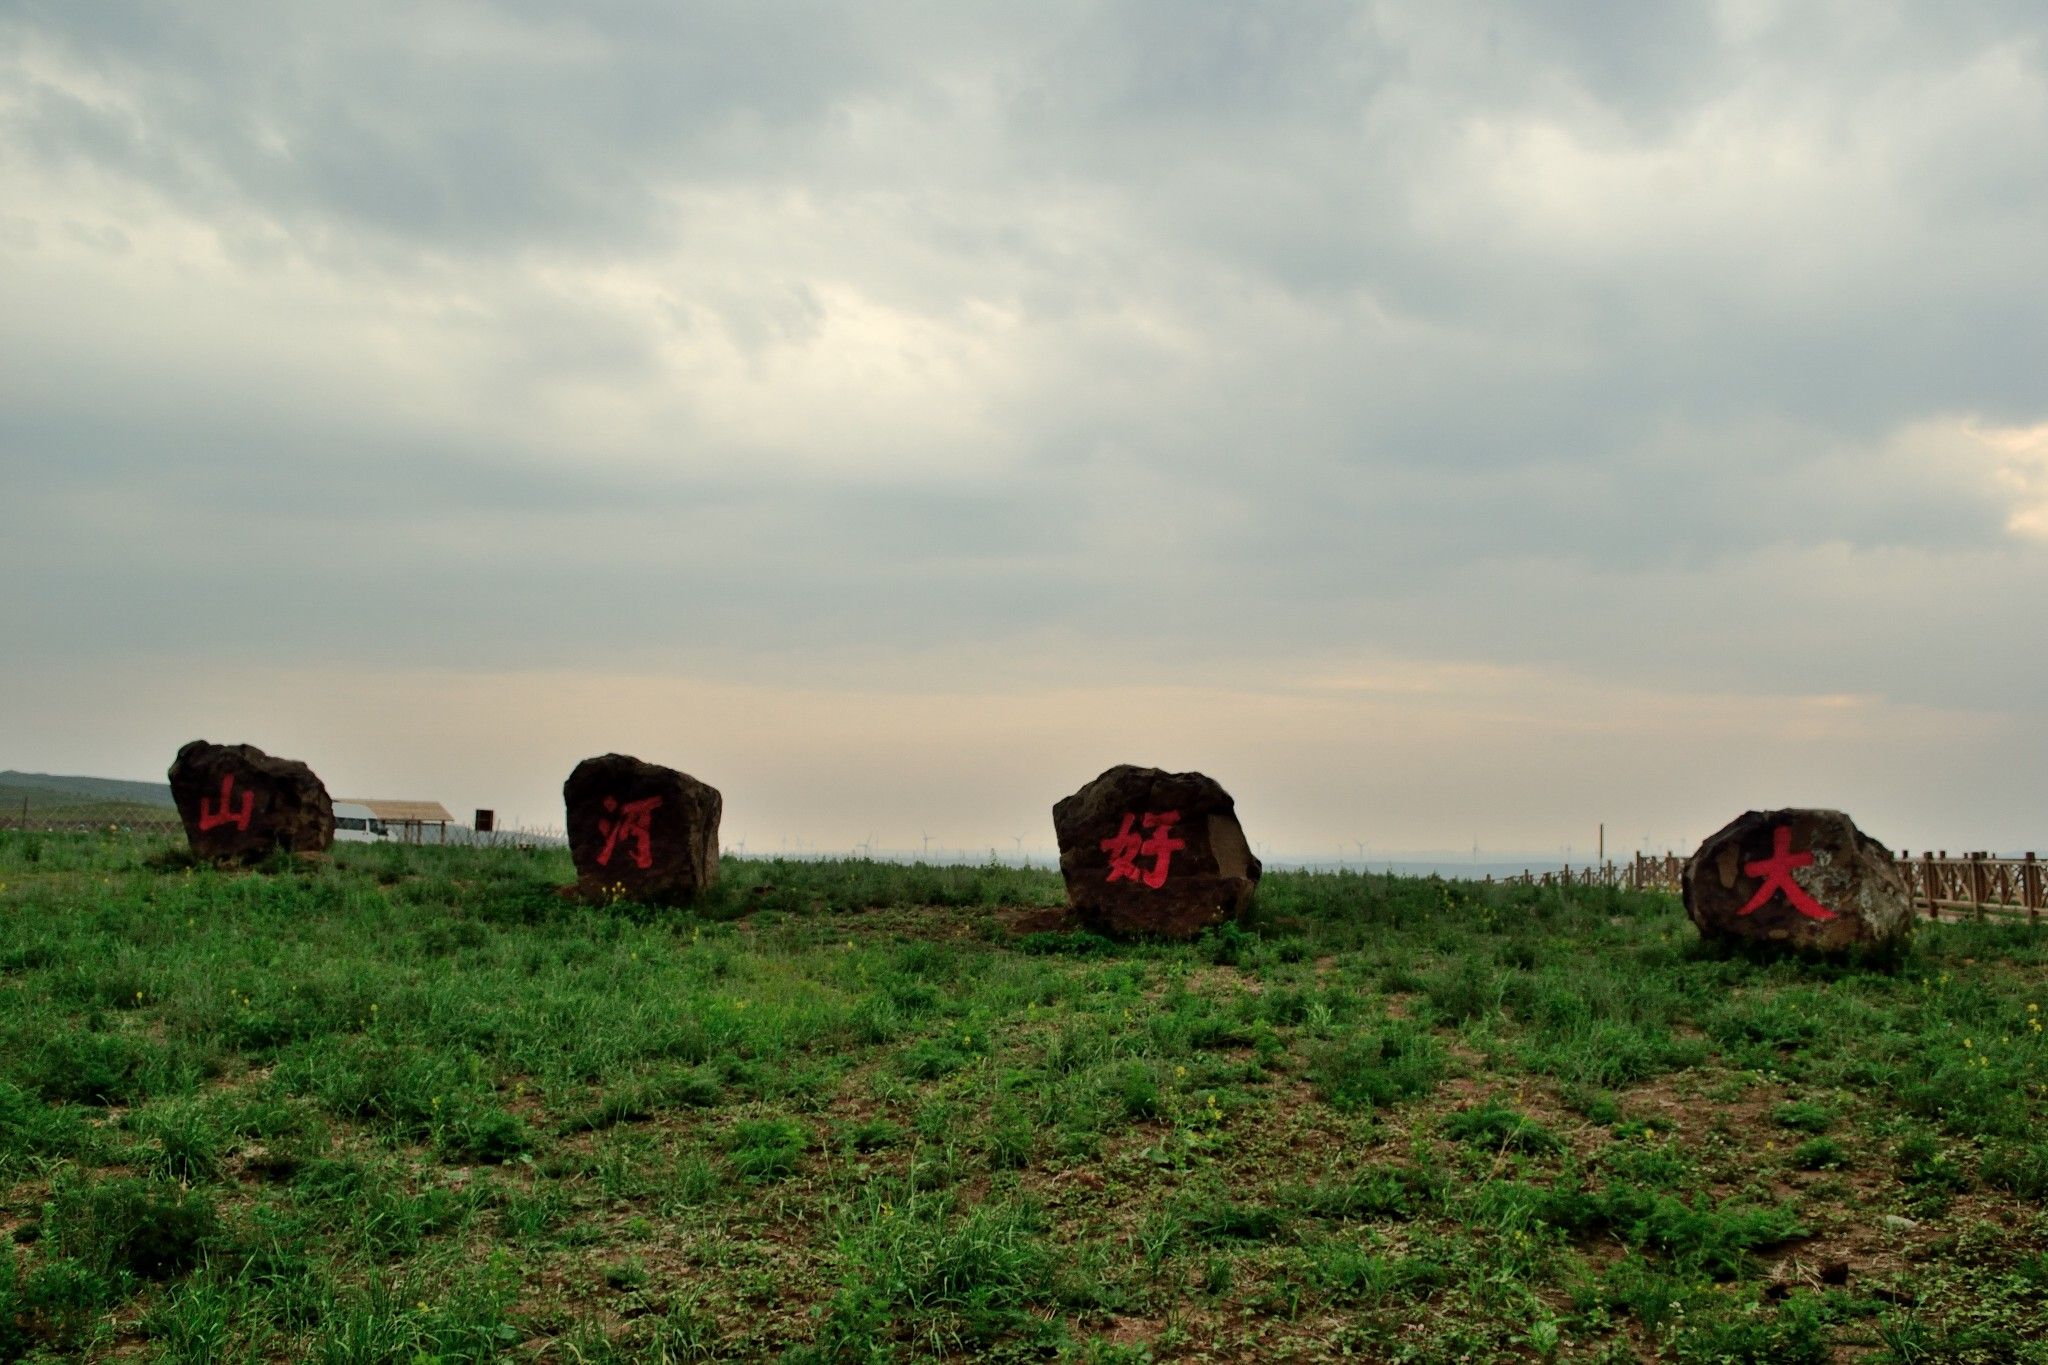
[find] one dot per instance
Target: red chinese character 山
(634, 826)
(1776, 871)
(1125, 847)
(212, 815)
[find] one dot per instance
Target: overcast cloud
(1437, 420)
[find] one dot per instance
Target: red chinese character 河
(633, 824)
(223, 814)
(1776, 871)
(1125, 847)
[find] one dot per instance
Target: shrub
(151, 1231)
(485, 1133)
(1713, 1240)
(931, 1058)
(766, 1149)
(188, 1142)
(1498, 1126)
(1218, 1219)
(1804, 1116)
(1137, 1090)
(82, 1066)
(1378, 1067)
(2020, 1168)
(1469, 990)
(918, 1270)
(1922, 1163)
(1389, 1192)
(1818, 1154)
(871, 1135)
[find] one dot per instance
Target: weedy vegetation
(407, 1104)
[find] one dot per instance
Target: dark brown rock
(1151, 852)
(1802, 880)
(239, 804)
(641, 832)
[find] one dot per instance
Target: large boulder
(1802, 880)
(641, 832)
(1151, 852)
(239, 804)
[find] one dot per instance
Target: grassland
(84, 800)
(408, 1105)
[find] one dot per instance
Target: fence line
(1645, 872)
(63, 821)
(57, 824)
(1978, 884)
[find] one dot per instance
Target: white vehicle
(355, 824)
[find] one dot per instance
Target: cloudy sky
(1437, 420)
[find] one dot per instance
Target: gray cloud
(1144, 337)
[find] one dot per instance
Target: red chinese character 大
(634, 825)
(1776, 871)
(223, 813)
(1125, 847)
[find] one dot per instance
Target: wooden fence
(1645, 872)
(59, 824)
(1977, 884)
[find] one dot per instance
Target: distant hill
(89, 798)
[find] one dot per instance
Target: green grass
(408, 1104)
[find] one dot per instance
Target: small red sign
(1776, 871)
(1126, 846)
(633, 825)
(214, 815)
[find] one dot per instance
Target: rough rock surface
(238, 803)
(1151, 852)
(1804, 880)
(641, 832)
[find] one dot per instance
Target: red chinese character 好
(634, 824)
(1125, 847)
(222, 813)
(1776, 871)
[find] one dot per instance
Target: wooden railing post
(1927, 880)
(2030, 887)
